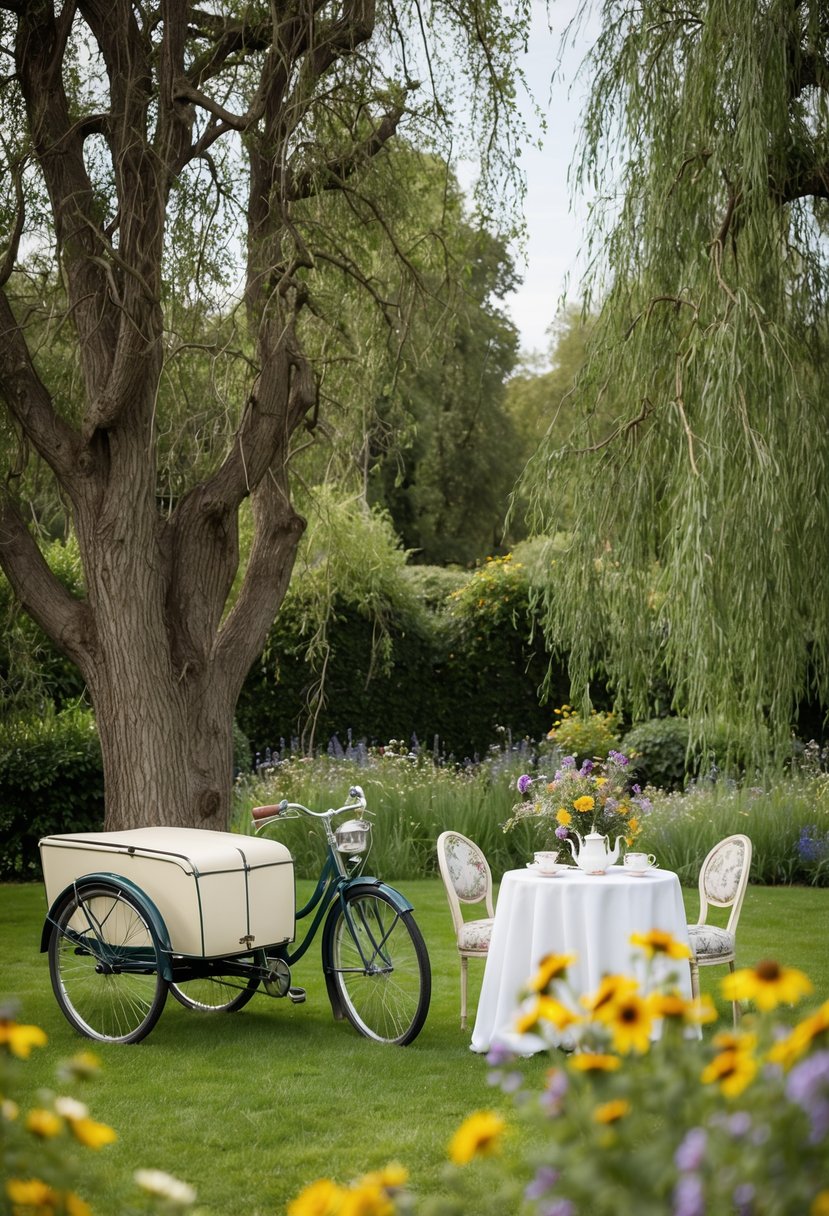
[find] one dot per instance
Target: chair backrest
(723, 877)
(466, 874)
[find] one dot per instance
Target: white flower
(156, 1182)
(71, 1109)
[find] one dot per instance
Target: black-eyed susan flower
(550, 968)
(321, 1198)
(92, 1134)
(795, 1045)
(611, 1112)
(732, 1070)
(611, 989)
(73, 1205)
(594, 1061)
(478, 1136)
(392, 1177)
(657, 941)
(31, 1194)
(767, 985)
(44, 1123)
(20, 1039)
(366, 1199)
(673, 1006)
(820, 1204)
(630, 1023)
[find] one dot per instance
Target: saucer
(639, 873)
(531, 865)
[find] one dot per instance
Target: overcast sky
(553, 225)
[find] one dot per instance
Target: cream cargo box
(219, 893)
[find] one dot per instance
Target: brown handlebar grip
(266, 812)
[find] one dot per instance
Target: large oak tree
(149, 148)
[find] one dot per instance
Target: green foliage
(51, 780)
(359, 672)
(32, 669)
(658, 752)
(701, 515)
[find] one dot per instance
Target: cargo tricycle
(211, 917)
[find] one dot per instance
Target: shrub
(51, 780)
(657, 751)
(587, 738)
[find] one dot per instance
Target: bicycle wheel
(380, 967)
(104, 965)
(215, 993)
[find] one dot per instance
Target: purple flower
(689, 1199)
(739, 1124)
(586, 768)
(524, 782)
(636, 789)
(743, 1199)
(618, 758)
(499, 1054)
(568, 762)
(561, 832)
(552, 1099)
(559, 1207)
(545, 1178)
(691, 1152)
(808, 1087)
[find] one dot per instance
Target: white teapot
(594, 853)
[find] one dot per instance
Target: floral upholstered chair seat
(708, 941)
(723, 879)
(475, 935)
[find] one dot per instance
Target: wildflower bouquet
(593, 797)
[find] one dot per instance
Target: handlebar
(262, 814)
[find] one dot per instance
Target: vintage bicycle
(210, 917)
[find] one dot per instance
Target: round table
(589, 915)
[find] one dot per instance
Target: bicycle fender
(158, 929)
(357, 886)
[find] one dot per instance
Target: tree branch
(332, 174)
(10, 256)
(68, 621)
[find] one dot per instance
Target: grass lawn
(250, 1107)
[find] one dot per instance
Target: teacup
(546, 862)
(639, 861)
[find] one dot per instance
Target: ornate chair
(722, 883)
(468, 880)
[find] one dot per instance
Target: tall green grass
(414, 800)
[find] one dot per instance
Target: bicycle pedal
(297, 995)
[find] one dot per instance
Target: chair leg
(736, 1004)
(464, 968)
(694, 980)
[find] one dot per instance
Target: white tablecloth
(591, 916)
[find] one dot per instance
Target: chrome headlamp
(352, 836)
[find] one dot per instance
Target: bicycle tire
(387, 996)
(215, 994)
(97, 930)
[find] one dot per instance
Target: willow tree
(154, 151)
(702, 510)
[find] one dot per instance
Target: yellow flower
(767, 985)
(612, 987)
(633, 825)
(563, 816)
(657, 941)
(594, 1061)
(795, 1045)
(9, 1110)
(609, 1112)
(20, 1039)
(674, 1007)
(75, 1206)
(585, 803)
(630, 1024)
(733, 1070)
(550, 967)
(600, 781)
(44, 1123)
(321, 1198)
(366, 1199)
(92, 1134)
(31, 1194)
(820, 1204)
(546, 1009)
(391, 1177)
(478, 1136)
